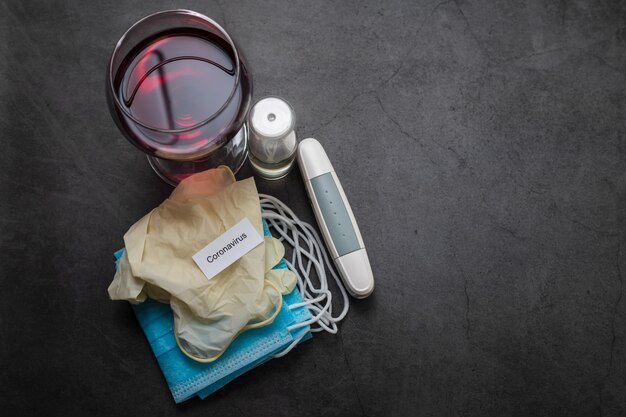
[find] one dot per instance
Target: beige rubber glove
(283, 279)
(157, 263)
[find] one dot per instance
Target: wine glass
(179, 90)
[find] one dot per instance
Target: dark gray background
(481, 144)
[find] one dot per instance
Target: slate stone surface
(481, 144)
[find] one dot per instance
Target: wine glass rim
(111, 76)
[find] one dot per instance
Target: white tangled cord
(308, 253)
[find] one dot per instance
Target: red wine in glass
(181, 95)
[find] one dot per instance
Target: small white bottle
(273, 141)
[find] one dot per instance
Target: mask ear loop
(308, 253)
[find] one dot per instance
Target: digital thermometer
(335, 218)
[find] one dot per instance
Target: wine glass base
(233, 155)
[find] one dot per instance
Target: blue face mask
(187, 378)
(306, 309)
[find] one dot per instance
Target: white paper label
(228, 248)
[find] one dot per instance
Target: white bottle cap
(271, 117)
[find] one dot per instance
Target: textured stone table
(481, 143)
